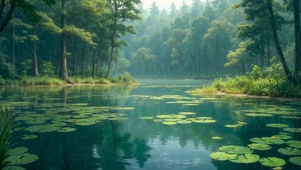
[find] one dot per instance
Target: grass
(7, 119)
(269, 82)
(125, 78)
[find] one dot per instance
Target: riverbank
(269, 82)
(244, 85)
(124, 79)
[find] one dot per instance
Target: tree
(67, 31)
(239, 58)
(264, 9)
(120, 11)
(297, 38)
(8, 7)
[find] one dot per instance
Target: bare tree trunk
(35, 59)
(63, 69)
(297, 39)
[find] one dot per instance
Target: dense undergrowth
(268, 82)
(125, 78)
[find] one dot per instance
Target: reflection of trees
(116, 147)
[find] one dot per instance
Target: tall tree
(264, 9)
(121, 11)
(297, 38)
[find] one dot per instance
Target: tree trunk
(277, 43)
(63, 69)
(35, 59)
(13, 59)
(297, 39)
(93, 63)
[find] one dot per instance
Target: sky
(164, 3)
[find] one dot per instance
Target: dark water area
(115, 128)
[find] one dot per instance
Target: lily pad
(294, 143)
(169, 123)
(260, 147)
(246, 158)
(294, 130)
(233, 149)
(272, 162)
(232, 126)
(274, 140)
(283, 137)
(296, 160)
(17, 151)
(164, 116)
(290, 151)
(217, 138)
(258, 115)
(277, 125)
(184, 122)
(204, 121)
(222, 156)
(14, 168)
(261, 141)
(22, 159)
(66, 129)
(29, 136)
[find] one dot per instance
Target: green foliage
(125, 78)
(26, 67)
(269, 82)
(85, 36)
(47, 68)
(7, 119)
(6, 69)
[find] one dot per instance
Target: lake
(155, 126)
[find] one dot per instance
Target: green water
(109, 128)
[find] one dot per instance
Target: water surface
(119, 128)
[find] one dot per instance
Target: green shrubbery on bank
(268, 82)
(125, 78)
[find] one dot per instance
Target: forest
(102, 38)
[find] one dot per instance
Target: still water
(156, 126)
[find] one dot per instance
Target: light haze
(164, 3)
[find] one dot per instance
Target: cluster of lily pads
(268, 111)
(241, 154)
(66, 118)
(19, 156)
(181, 118)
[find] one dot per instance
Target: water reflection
(132, 143)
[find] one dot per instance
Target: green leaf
(277, 125)
(289, 151)
(294, 143)
(233, 149)
(222, 156)
(29, 136)
(296, 160)
(246, 158)
(260, 147)
(23, 159)
(17, 151)
(272, 162)
(169, 123)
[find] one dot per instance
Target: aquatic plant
(7, 118)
